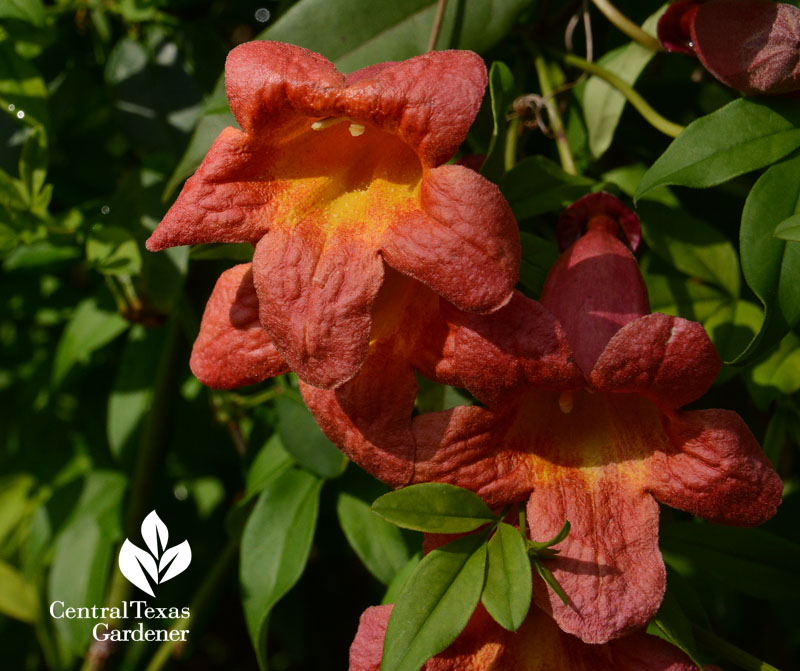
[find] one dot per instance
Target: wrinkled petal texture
(537, 646)
(750, 45)
(463, 243)
(329, 177)
(667, 359)
(232, 349)
(315, 298)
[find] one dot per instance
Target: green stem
(204, 598)
(148, 460)
(556, 123)
(744, 660)
(510, 149)
(627, 26)
(650, 115)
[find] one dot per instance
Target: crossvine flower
(336, 179)
(580, 417)
(750, 45)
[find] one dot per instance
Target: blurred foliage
(106, 106)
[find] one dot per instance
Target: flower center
(338, 174)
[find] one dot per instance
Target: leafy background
(106, 106)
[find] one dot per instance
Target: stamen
(565, 402)
(322, 124)
(356, 129)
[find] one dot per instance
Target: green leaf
(509, 583)
(40, 254)
(271, 461)
(132, 394)
(275, 546)
(537, 185)
(83, 552)
(789, 229)
(31, 11)
(501, 91)
(728, 554)
(602, 104)
(15, 501)
(379, 545)
(771, 266)
(690, 245)
(357, 33)
(538, 256)
(671, 624)
(33, 171)
(777, 375)
(23, 93)
(304, 440)
(742, 136)
(18, 598)
(436, 604)
(89, 328)
(395, 588)
(775, 437)
(113, 251)
(434, 508)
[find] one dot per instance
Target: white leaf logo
(160, 563)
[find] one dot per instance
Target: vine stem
(730, 652)
(437, 24)
(148, 459)
(640, 104)
(557, 124)
(510, 149)
(627, 26)
(202, 600)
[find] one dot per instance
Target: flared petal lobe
(667, 359)
(714, 468)
(315, 297)
(232, 349)
(537, 646)
(224, 201)
(429, 101)
(462, 242)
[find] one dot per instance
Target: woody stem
(556, 123)
(626, 25)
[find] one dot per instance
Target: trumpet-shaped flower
(579, 416)
(750, 45)
(538, 645)
(334, 178)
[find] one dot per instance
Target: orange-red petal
(315, 297)
(232, 349)
(223, 201)
(594, 289)
(667, 359)
(609, 566)
(538, 645)
(463, 242)
(714, 468)
(429, 101)
(521, 343)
